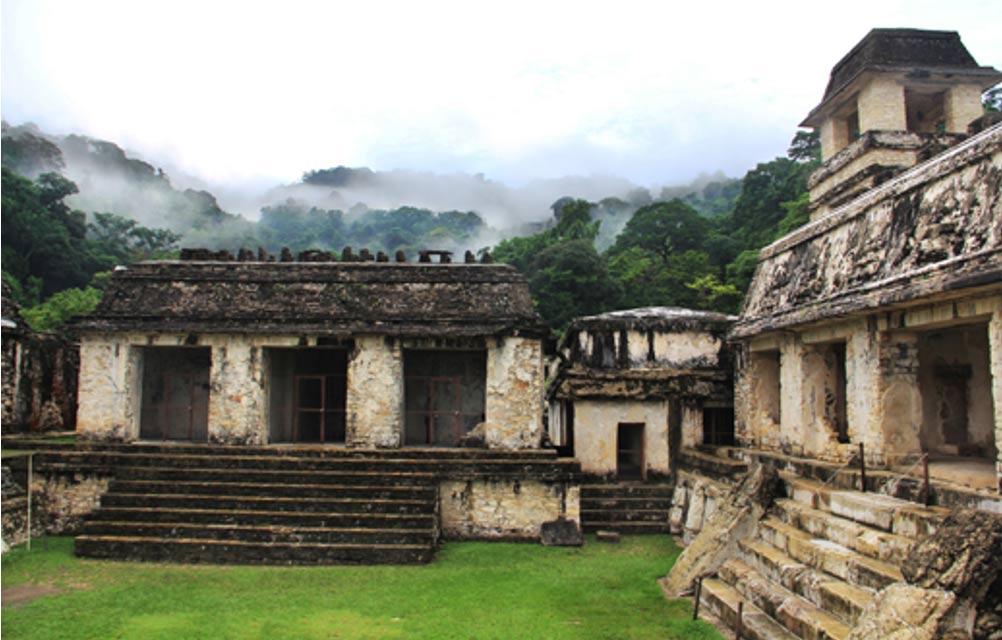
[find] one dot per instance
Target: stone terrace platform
(277, 504)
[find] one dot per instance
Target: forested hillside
(74, 207)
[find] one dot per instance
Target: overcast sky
(251, 92)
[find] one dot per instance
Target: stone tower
(897, 98)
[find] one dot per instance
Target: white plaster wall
(504, 508)
(375, 401)
(514, 402)
(680, 349)
(595, 431)
(109, 389)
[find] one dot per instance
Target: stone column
(514, 402)
(900, 406)
(962, 105)
(236, 393)
(109, 390)
(995, 356)
(375, 403)
(882, 106)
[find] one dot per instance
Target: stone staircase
(816, 562)
(275, 505)
(628, 508)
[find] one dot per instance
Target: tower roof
(913, 51)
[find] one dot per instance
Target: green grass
(471, 590)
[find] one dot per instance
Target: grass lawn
(471, 590)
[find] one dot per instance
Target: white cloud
(237, 91)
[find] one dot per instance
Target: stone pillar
(995, 359)
(109, 390)
(795, 417)
(961, 106)
(514, 402)
(236, 393)
(882, 106)
(834, 137)
(900, 408)
(375, 404)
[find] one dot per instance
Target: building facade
(879, 323)
(363, 354)
(633, 387)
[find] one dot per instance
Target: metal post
(925, 480)
(862, 468)
(29, 500)
(699, 592)
(741, 624)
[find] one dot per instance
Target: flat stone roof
(333, 298)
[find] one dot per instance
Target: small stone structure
(635, 386)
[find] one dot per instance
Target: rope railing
(923, 460)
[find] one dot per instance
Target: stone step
(458, 466)
(807, 492)
(830, 557)
(624, 491)
(889, 514)
(287, 450)
(802, 618)
(273, 489)
(722, 601)
(817, 587)
(337, 477)
(626, 528)
(249, 517)
(259, 533)
(266, 503)
(633, 515)
(858, 537)
(205, 550)
(625, 504)
(719, 467)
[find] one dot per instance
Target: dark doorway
(175, 401)
(951, 402)
(444, 395)
(307, 394)
(718, 426)
(630, 451)
(836, 393)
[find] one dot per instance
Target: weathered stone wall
(110, 386)
(514, 402)
(375, 401)
(934, 229)
(504, 509)
(595, 426)
(694, 501)
(237, 412)
(59, 501)
(39, 381)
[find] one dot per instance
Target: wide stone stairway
(627, 508)
(817, 560)
(275, 505)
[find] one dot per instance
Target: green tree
(53, 314)
(570, 279)
(664, 229)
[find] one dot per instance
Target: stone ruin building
(845, 485)
(633, 393)
(868, 363)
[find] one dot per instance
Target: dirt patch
(19, 594)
